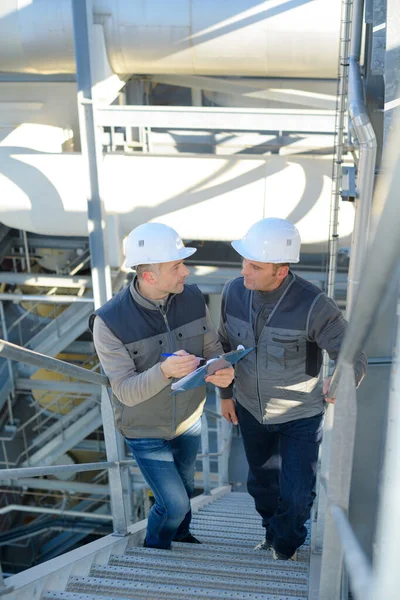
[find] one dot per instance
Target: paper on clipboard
(197, 377)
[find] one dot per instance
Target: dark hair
(140, 269)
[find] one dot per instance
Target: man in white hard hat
(278, 399)
(156, 315)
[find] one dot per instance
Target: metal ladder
(225, 565)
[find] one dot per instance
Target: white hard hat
(270, 241)
(154, 243)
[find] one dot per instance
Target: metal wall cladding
(293, 38)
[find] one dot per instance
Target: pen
(172, 354)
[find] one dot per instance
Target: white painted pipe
(213, 198)
(274, 38)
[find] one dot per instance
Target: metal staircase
(65, 433)
(225, 565)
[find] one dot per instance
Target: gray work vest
(146, 334)
(279, 380)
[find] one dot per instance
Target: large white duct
(274, 38)
(203, 197)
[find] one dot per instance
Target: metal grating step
(256, 571)
(140, 594)
(230, 556)
(214, 580)
(122, 589)
(225, 565)
(214, 541)
(218, 532)
(229, 514)
(206, 520)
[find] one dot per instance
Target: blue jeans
(168, 467)
(282, 468)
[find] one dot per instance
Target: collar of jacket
(269, 297)
(146, 302)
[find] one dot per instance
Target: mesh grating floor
(225, 565)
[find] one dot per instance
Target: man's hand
(222, 378)
(179, 365)
(228, 411)
(325, 390)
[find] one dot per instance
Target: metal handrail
(357, 564)
(19, 354)
(14, 352)
(379, 268)
(21, 472)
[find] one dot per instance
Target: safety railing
(116, 466)
(381, 581)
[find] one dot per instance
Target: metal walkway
(224, 566)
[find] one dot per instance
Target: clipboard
(197, 377)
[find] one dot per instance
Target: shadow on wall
(204, 197)
(161, 30)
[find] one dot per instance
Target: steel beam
(21, 472)
(41, 280)
(53, 364)
(54, 385)
(55, 299)
(63, 330)
(222, 119)
(58, 485)
(54, 511)
(240, 87)
(66, 440)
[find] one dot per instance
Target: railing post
(82, 11)
(339, 482)
(224, 433)
(114, 472)
(4, 589)
(205, 450)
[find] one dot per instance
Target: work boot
(278, 556)
(189, 539)
(264, 545)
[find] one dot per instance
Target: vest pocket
(146, 353)
(237, 334)
(276, 359)
(190, 337)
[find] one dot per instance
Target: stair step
(215, 541)
(232, 556)
(253, 516)
(205, 521)
(216, 582)
(139, 594)
(253, 536)
(257, 571)
(123, 589)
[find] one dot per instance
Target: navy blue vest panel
(293, 310)
(130, 322)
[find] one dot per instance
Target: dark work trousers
(282, 467)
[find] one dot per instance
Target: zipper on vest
(164, 316)
(257, 386)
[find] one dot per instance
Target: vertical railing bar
(205, 455)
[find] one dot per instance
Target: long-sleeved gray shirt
(129, 386)
(326, 327)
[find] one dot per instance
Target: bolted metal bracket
(349, 190)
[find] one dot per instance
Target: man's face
(170, 277)
(262, 276)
